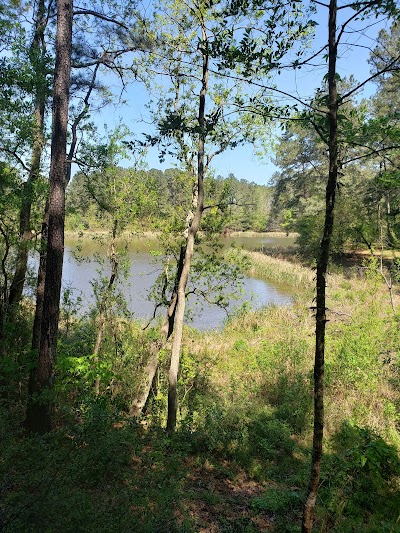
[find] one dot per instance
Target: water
(78, 275)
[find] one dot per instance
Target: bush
(360, 481)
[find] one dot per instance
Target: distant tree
(386, 117)
(300, 186)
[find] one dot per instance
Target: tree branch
(16, 157)
(389, 68)
(102, 17)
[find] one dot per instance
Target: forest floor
(239, 461)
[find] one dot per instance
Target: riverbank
(261, 374)
(154, 235)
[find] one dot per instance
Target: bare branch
(371, 153)
(390, 68)
(102, 17)
(221, 205)
(16, 157)
(76, 122)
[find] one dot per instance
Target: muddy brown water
(82, 264)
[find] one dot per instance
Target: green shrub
(360, 481)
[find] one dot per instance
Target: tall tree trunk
(40, 282)
(43, 240)
(322, 269)
(193, 227)
(37, 57)
(39, 411)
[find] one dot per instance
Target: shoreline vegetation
(240, 457)
(155, 234)
(357, 253)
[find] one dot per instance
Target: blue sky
(302, 83)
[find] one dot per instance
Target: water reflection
(80, 267)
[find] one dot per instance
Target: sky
(302, 83)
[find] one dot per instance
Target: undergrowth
(240, 458)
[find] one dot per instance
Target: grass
(239, 461)
(279, 271)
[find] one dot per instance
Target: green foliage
(353, 228)
(366, 208)
(278, 500)
(15, 357)
(10, 202)
(240, 457)
(309, 230)
(287, 223)
(354, 361)
(359, 480)
(160, 201)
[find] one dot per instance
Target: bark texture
(45, 224)
(37, 53)
(149, 374)
(39, 411)
(322, 269)
(167, 329)
(40, 282)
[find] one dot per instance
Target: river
(81, 265)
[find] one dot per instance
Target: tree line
(367, 209)
(155, 196)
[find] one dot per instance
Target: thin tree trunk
(168, 325)
(103, 307)
(40, 281)
(37, 49)
(39, 411)
(391, 236)
(167, 329)
(4, 288)
(137, 405)
(193, 227)
(387, 279)
(322, 269)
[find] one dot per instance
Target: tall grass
(262, 376)
(279, 270)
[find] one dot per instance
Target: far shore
(88, 233)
